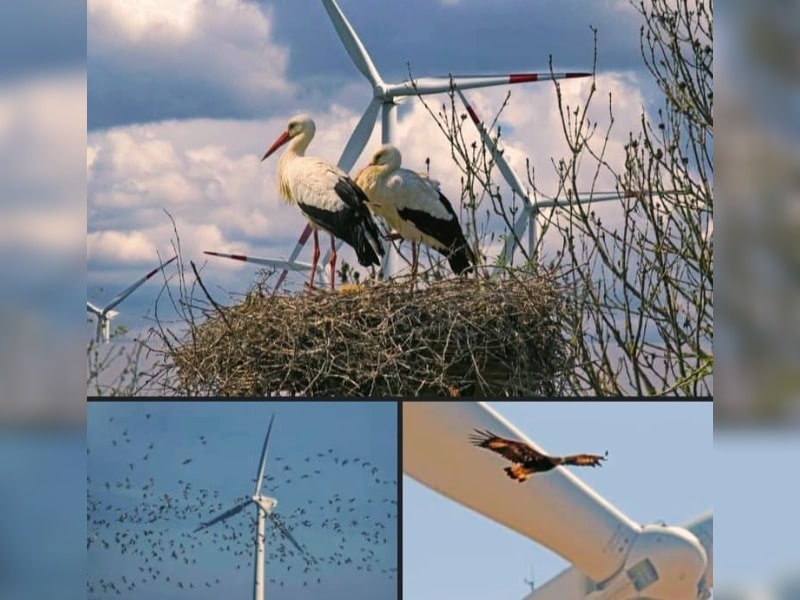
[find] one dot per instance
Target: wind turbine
(532, 207)
(528, 216)
(107, 313)
(612, 556)
(386, 96)
(265, 506)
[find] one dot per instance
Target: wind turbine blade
(570, 584)
(509, 175)
(228, 513)
(93, 309)
(130, 289)
(702, 527)
(436, 85)
(360, 136)
(352, 43)
(269, 262)
(263, 462)
(592, 197)
(287, 533)
(295, 253)
(570, 518)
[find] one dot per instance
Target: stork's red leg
(314, 260)
(414, 262)
(333, 262)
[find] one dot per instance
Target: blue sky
(223, 464)
(756, 496)
(43, 494)
(659, 468)
(183, 98)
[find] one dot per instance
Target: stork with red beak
(327, 197)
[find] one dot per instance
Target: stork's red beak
(282, 139)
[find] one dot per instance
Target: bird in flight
(527, 460)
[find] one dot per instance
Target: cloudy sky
(184, 99)
(42, 192)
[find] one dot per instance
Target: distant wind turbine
(265, 507)
(532, 207)
(107, 313)
(386, 96)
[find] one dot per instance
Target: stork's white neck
(298, 144)
(295, 148)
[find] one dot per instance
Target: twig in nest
(210, 299)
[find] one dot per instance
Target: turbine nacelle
(266, 503)
(664, 563)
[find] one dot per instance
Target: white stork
(414, 206)
(328, 198)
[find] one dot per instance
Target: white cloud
(203, 51)
(120, 246)
(139, 17)
(42, 139)
(42, 124)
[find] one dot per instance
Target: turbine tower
(105, 314)
(265, 506)
(385, 97)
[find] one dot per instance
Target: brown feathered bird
(528, 461)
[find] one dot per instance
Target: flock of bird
(141, 533)
(411, 203)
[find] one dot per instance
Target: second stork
(414, 206)
(328, 198)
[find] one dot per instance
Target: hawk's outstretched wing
(517, 452)
(584, 460)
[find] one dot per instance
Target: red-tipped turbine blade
(436, 85)
(277, 263)
(295, 252)
(508, 174)
(130, 289)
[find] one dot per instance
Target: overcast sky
(183, 99)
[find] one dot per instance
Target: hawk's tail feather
(517, 472)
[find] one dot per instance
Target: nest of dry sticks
(457, 337)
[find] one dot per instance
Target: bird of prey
(528, 461)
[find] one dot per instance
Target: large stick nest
(455, 337)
